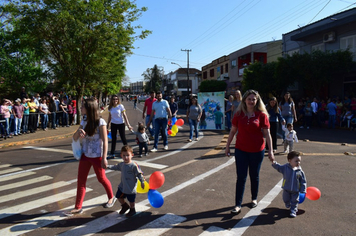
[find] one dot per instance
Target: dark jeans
(25, 123)
(161, 123)
(142, 145)
(114, 129)
(273, 131)
(247, 162)
(53, 120)
(64, 119)
(228, 119)
(32, 122)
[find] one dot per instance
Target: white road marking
(249, 218)
(24, 183)
(10, 170)
(9, 211)
(38, 222)
(12, 177)
(173, 152)
(50, 149)
(32, 191)
(158, 226)
(146, 164)
(101, 223)
(4, 166)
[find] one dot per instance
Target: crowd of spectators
(27, 114)
(328, 112)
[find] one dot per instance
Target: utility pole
(187, 50)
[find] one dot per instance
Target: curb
(39, 140)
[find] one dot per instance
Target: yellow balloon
(173, 134)
(174, 129)
(142, 190)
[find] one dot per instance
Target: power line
(319, 11)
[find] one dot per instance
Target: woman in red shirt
(251, 120)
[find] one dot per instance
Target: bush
(212, 86)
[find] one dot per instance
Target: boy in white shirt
(291, 136)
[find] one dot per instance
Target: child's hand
(142, 185)
(149, 142)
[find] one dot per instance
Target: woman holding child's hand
(251, 120)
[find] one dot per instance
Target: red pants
(85, 164)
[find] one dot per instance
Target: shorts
(130, 197)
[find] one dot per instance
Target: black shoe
(235, 212)
(124, 208)
(253, 204)
(132, 212)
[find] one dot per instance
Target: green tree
(84, 43)
(153, 77)
(212, 86)
(19, 67)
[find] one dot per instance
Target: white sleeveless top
(92, 146)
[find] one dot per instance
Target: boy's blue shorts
(130, 197)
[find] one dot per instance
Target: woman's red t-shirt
(250, 137)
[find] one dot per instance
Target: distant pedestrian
(18, 111)
(291, 137)
(194, 113)
(236, 102)
(332, 109)
(147, 113)
(44, 112)
(228, 112)
(135, 103)
(218, 118)
(287, 107)
(118, 119)
(162, 113)
(173, 106)
(274, 118)
(130, 172)
(143, 139)
(294, 181)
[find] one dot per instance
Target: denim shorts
(130, 197)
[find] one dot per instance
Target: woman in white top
(117, 116)
(92, 131)
(44, 113)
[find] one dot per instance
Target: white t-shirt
(44, 108)
(92, 146)
(117, 114)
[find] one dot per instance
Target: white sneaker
(154, 150)
(165, 147)
(196, 139)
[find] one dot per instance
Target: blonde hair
(235, 98)
(258, 107)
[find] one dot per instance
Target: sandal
(109, 205)
(73, 212)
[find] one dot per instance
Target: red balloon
(169, 122)
(169, 132)
(179, 122)
(313, 193)
(156, 180)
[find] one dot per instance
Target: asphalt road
(38, 182)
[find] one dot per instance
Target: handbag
(77, 149)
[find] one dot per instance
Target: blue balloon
(301, 198)
(174, 120)
(155, 198)
(109, 135)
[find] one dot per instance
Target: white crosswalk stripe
(24, 183)
(29, 192)
(9, 211)
(12, 177)
(101, 223)
(47, 219)
(158, 226)
(10, 170)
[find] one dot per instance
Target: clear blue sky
(212, 29)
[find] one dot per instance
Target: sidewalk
(43, 136)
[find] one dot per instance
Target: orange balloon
(313, 193)
(156, 180)
(169, 132)
(179, 122)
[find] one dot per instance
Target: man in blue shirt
(162, 112)
(332, 113)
